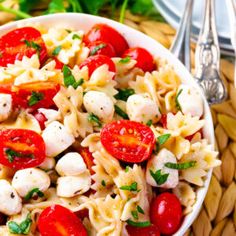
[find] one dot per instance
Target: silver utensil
(231, 5)
(181, 44)
(207, 58)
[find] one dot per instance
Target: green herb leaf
(132, 187)
(159, 177)
(56, 6)
(125, 60)
(11, 154)
(177, 104)
(69, 79)
(35, 98)
(95, 119)
(98, 47)
(32, 44)
(122, 12)
(140, 209)
(103, 183)
(180, 166)
(134, 214)
(138, 224)
(76, 36)
(121, 113)
(163, 138)
(22, 228)
(30, 194)
(126, 169)
(123, 94)
(149, 123)
(56, 50)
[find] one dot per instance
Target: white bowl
(134, 38)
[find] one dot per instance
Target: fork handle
(207, 51)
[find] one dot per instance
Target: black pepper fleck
(12, 195)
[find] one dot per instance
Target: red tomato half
(128, 141)
(57, 220)
(40, 117)
(96, 61)
(105, 33)
(144, 59)
(21, 148)
(59, 64)
(163, 121)
(88, 158)
(101, 48)
(17, 43)
(166, 213)
(146, 231)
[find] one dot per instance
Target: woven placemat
(218, 214)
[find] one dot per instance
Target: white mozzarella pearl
(5, 106)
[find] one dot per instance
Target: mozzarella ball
(70, 186)
(141, 108)
(5, 106)
(48, 164)
(99, 104)
(190, 101)
(57, 138)
(10, 202)
(50, 114)
(71, 164)
(157, 162)
(27, 179)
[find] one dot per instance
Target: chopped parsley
(56, 50)
(30, 194)
(32, 44)
(133, 187)
(123, 94)
(134, 214)
(11, 154)
(180, 166)
(69, 79)
(177, 104)
(126, 169)
(138, 224)
(98, 47)
(35, 98)
(76, 36)
(95, 119)
(22, 228)
(149, 123)
(163, 138)
(125, 60)
(121, 113)
(103, 183)
(140, 209)
(159, 177)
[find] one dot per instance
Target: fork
(207, 58)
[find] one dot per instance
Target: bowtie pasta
(95, 136)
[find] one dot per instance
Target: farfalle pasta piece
(92, 141)
(204, 157)
(70, 43)
(104, 214)
(69, 101)
(186, 195)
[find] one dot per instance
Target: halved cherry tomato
(105, 33)
(42, 92)
(96, 61)
(88, 158)
(166, 213)
(40, 117)
(57, 220)
(146, 231)
(59, 64)
(128, 141)
(144, 59)
(101, 48)
(163, 121)
(21, 148)
(17, 43)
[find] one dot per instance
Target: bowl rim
(86, 20)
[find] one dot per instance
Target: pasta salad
(96, 137)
